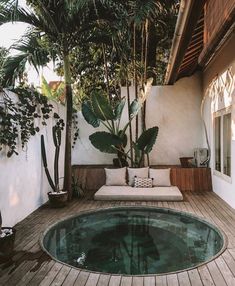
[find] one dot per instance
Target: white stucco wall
(217, 97)
(23, 183)
(175, 109)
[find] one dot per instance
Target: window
(222, 142)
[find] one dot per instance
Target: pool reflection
(133, 241)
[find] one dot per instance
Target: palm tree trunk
(68, 136)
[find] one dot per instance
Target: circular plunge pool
(133, 240)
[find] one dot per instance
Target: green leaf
(123, 137)
(119, 108)
(89, 115)
(134, 108)
(147, 139)
(101, 107)
(46, 90)
(105, 142)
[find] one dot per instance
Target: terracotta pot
(7, 244)
(58, 200)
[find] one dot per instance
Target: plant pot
(185, 162)
(58, 200)
(7, 244)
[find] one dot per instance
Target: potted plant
(7, 240)
(57, 197)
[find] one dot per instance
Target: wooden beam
(217, 39)
(193, 16)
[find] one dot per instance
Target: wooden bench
(92, 177)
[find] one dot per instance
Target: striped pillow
(143, 182)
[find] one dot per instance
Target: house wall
(23, 184)
(219, 93)
(175, 109)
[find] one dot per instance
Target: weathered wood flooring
(30, 266)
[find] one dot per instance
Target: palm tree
(62, 25)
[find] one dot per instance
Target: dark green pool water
(133, 241)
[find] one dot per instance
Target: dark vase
(58, 200)
(7, 244)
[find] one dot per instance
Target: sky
(10, 33)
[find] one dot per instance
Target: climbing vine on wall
(21, 119)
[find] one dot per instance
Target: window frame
(221, 113)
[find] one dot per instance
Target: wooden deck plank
(172, 280)
(82, 278)
(194, 278)
(126, 281)
(51, 274)
(93, 279)
(205, 276)
(161, 281)
(226, 272)
(149, 281)
(71, 278)
(216, 274)
(138, 281)
(183, 279)
(61, 276)
(103, 280)
(115, 281)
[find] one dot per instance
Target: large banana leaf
(147, 139)
(89, 115)
(101, 107)
(135, 108)
(123, 137)
(119, 108)
(105, 142)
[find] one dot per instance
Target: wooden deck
(30, 266)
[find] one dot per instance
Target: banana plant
(99, 111)
(144, 144)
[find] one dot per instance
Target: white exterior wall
(23, 183)
(175, 109)
(217, 97)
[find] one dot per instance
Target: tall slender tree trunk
(145, 76)
(135, 80)
(129, 116)
(68, 135)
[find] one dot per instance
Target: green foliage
(144, 144)
(147, 139)
(101, 107)
(57, 93)
(23, 118)
(115, 141)
(105, 142)
(119, 108)
(3, 55)
(89, 115)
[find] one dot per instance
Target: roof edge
(189, 12)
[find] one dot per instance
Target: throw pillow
(143, 182)
(138, 172)
(115, 177)
(161, 177)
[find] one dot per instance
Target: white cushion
(115, 177)
(127, 193)
(138, 172)
(161, 177)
